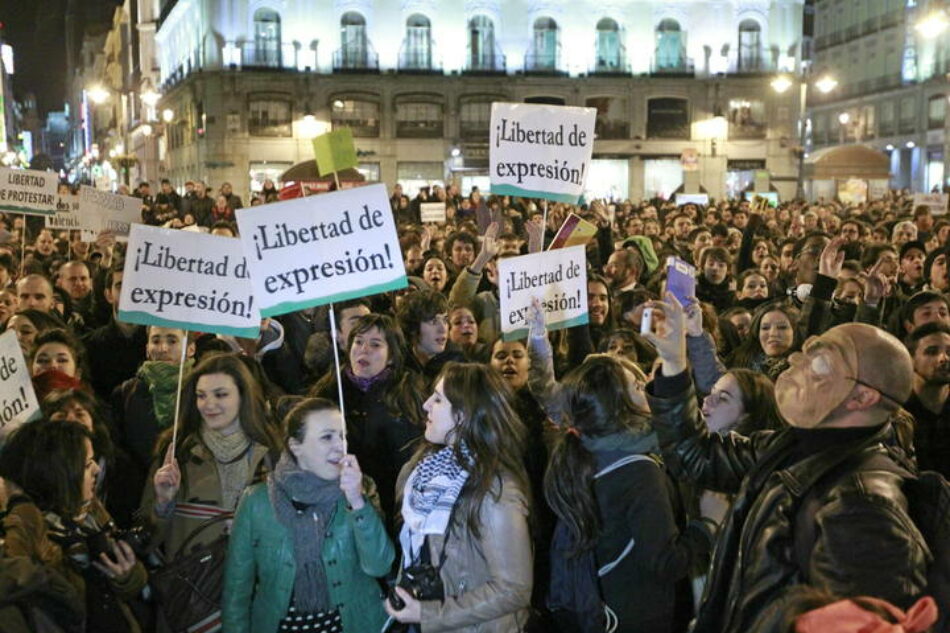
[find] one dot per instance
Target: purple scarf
(365, 384)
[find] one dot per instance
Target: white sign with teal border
(17, 399)
(193, 281)
(321, 249)
(28, 191)
(558, 278)
(540, 151)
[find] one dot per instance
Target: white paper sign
(540, 151)
(193, 281)
(320, 249)
(558, 278)
(936, 202)
(67, 216)
(692, 198)
(108, 211)
(432, 212)
(28, 191)
(17, 399)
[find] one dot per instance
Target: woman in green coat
(307, 545)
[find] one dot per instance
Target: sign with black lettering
(17, 399)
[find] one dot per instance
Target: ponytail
(569, 490)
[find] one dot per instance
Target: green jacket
(260, 570)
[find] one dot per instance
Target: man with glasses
(819, 503)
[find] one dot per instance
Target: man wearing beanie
(819, 503)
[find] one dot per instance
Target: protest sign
(692, 198)
(558, 278)
(936, 202)
(67, 216)
(192, 281)
(312, 251)
(106, 211)
(540, 151)
(28, 191)
(334, 151)
(853, 191)
(769, 196)
(574, 231)
(18, 401)
(432, 212)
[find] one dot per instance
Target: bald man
(36, 292)
(819, 503)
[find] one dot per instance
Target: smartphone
(681, 279)
(646, 321)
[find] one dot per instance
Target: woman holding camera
(307, 546)
(53, 518)
(466, 548)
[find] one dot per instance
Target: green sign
(334, 151)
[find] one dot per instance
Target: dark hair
(48, 461)
(918, 300)
(489, 427)
(338, 308)
(715, 253)
(225, 224)
(58, 399)
(597, 403)
(252, 412)
(751, 348)
(873, 253)
(931, 258)
(758, 401)
(63, 337)
(294, 425)
(7, 262)
(42, 321)
(419, 307)
(933, 327)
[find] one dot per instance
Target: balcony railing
(606, 130)
(615, 64)
(419, 60)
(268, 55)
(751, 65)
(546, 61)
(419, 129)
(681, 66)
(356, 59)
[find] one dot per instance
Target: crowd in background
(528, 485)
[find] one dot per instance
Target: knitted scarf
(305, 504)
(365, 384)
(162, 380)
(431, 491)
(230, 452)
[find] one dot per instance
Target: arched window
(936, 112)
(417, 49)
(419, 116)
(481, 45)
(266, 37)
(545, 48)
(670, 49)
(353, 40)
(359, 112)
(750, 46)
(609, 49)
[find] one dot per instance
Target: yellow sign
(334, 151)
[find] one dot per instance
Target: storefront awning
(847, 161)
(307, 170)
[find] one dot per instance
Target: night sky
(37, 31)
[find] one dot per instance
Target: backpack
(928, 503)
(574, 597)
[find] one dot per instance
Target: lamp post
(825, 84)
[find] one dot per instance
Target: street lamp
(150, 98)
(98, 94)
(781, 84)
(844, 118)
(825, 84)
(932, 25)
(168, 115)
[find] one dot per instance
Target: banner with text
(936, 202)
(558, 278)
(28, 191)
(67, 217)
(432, 212)
(193, 281)
(540, 151)
(18, 401)
(109, 211)
(312, 251)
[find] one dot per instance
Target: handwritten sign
(936, 202)
(432, 212)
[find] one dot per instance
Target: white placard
(937, 202)
(28, 191)
(432, 212)
(540, 151)
(558, 278)
(67, 217)
(18, 401)
(108, 211)
(320, 249)
(193, 281)
(692, 198)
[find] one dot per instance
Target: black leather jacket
(862, 541)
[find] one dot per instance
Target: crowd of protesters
(737, 463)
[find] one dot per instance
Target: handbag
(188, 588)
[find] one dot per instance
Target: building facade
(890, 59)
(246, 85)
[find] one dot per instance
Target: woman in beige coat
(465, 511)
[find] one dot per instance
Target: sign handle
(181, 373)
(22, 245)
(544, 222)
(336, 179)
(336, 364)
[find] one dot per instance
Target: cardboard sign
(334, 151)
(540, 151)
(192, 281)
(558, 278)
(575, 231)
(432, 212)
(312, 251)
(28, 191)
(701, 199)
(18, 401)
(936, 202)
(67, 217)
(106, 211)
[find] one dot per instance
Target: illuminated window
(545, 47)
(936, 112)
(481, 45)
(612, 120)
(266, 38)
(750, 46)
(417, 48)
(610, 54)
(360, 114)
(746, 118)
(354, 49)
(419, 117)
(269, 117)
(670, 46)
(475, 117)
